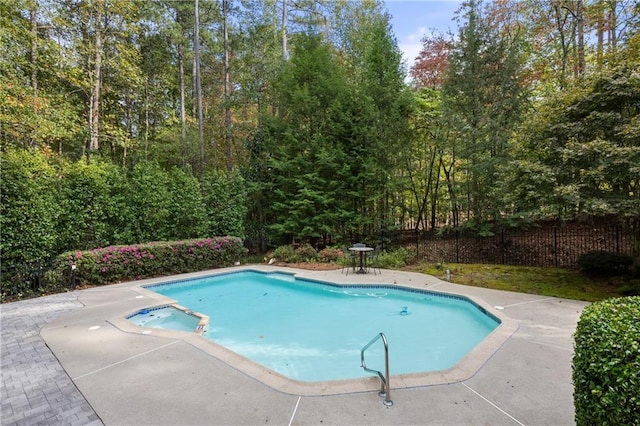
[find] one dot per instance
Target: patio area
(67, 360)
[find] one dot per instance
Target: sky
(413, 19)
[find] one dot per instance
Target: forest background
(125, 122)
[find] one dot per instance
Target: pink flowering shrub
(106, 265)
(330, 254)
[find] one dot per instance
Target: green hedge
(29, 209)
(606, 364)
(133, 262)
(50, 205)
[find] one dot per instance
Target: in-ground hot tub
(171, 317)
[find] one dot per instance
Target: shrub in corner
(605, 262)
(606, 363)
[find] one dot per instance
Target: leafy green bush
(188, 217)
(85, 204)
(225, 201)
(149, 199)
(286, 253)
(605, 262)
(122, 263)
(393, 260)
(606, 363)
(306, 253)
(29, 209)
(121, 214)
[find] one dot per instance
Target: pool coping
(466, 368)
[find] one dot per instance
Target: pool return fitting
(385, 391)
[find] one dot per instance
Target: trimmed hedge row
(133, 262)
(606, 363)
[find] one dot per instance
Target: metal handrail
(385, 390)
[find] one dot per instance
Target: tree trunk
(580, 51)
(414, 191)
(452, 194)
(434, 201)
(285, 52)
(183, 111)
(33, 16)
(561, 20)
(147, 121)
(600, 35)
(194, 97)
(196, 48)
(94, 107)
(228, 135)
(613, 22)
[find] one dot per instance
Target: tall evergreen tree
(307, 158)
(482, 100)
(389, 101)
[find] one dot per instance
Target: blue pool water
(314, 331)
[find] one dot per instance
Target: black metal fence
(549, 244)
(24, 279)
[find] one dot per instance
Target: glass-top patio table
(362, 250)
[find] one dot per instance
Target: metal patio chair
(349, 260)
(373, 262)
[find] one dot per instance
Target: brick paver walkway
(35, 388)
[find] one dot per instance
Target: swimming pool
(313, 331)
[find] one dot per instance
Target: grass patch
(553, 282)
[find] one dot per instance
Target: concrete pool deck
(102, 373)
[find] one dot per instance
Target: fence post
(502, 247)
(555, 245)
(457, 246)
